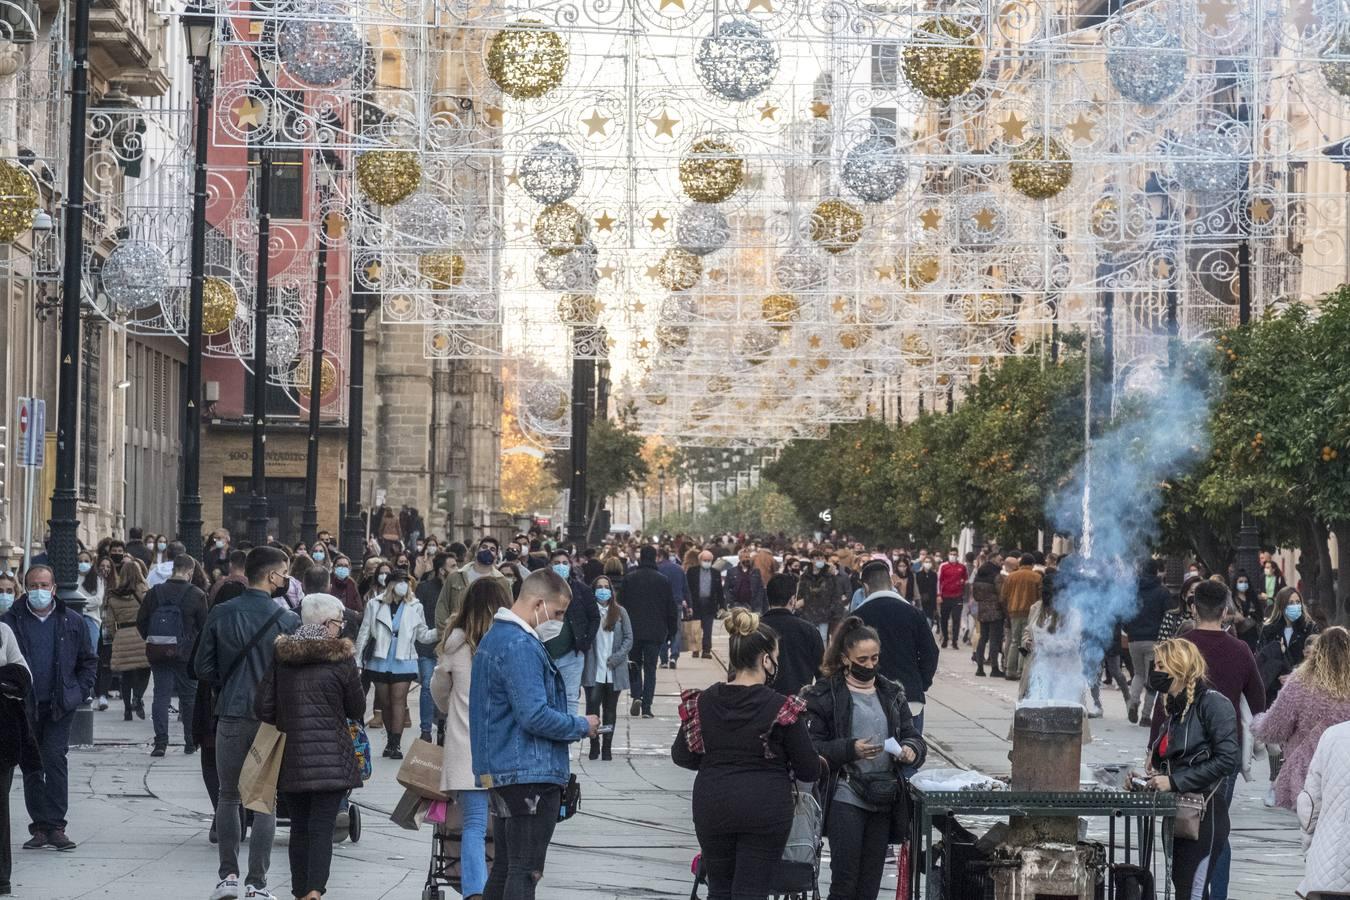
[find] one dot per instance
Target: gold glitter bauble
(327, 377)
(443, 269)
(945, 61)
(711, 171)
(983, 308)
(388, 176)
(854, 336)
(527, 60)
(678, 270)
(836, 225)
(220, 305)
(1041, 168)
(559, 229)
(18, 201)
(780, 310)
(578, 309)
(1336, 66)
(672, 337)
(918, 272)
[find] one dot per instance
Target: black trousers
(313, 817)
(1193, 861)
(740, 865)
(990, 632)
(521, 841)
(642, 671)
(603, 700)
(134, 684)
(858, 842)
(950, 612)
(6, 848)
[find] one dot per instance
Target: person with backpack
(170, 618)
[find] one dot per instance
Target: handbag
(1190, 813)
(361, 748)
(808, 820)
(880, 789)
(261, 769)
(571, 799)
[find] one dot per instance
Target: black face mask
(116, 558)
(1159, 681)
(865, 674)
(770, 675)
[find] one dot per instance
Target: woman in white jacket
(386, 648)
(1324, 813)
(450, 690)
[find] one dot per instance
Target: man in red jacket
(952, 576)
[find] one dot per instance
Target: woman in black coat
(309, 693)
(850, 715)
(17, 745)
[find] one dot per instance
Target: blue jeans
(571, 667)
(45, 792)
(172, 679)
(473, 871)
(1223, 860)
(670, 650)
(426, 706)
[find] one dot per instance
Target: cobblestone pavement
(142, 823)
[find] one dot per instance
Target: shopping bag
(410, 811)
(693, 634)
(262, 768)
(436, 812)
(361, 748)
(421, 770)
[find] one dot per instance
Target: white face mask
(401, 589)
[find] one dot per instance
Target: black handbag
(571, 799)
(880, 789)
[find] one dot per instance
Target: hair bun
(742, 621)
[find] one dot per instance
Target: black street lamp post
(661, 496)
(257, 507)
(199, 28)
(309, 516)
(353, 532)
(582, 377)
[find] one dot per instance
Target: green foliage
(614, 461)
(762, 509)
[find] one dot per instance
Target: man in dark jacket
(55, 643)
(136, 547)
(427, 593)
(171, 675)
(706, 597)
(800, 648)
(909, 653)
(824, 599)
(744, 584)
(1141, 633)
(233, 653)
(646, 595)
(679, 587)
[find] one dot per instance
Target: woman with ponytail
(851, 713)
(1196, 750)
(748, 744)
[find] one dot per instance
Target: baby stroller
(444, 871)
(347, 826)
(797, 877)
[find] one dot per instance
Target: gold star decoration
(595, 124)
(644, 344)
(766, 5)
(1262, 210)
(520, 225)
(1082, 128)
(793, 363)
(885, 273)
(768, 112)
(677, 3)
(820, 109)
(509, 272)
(928, 270)
(605, 222)
(606, 271)
(665, 125)
(985, 218)
(930, 218)
(814, 341)
(513, 177)
(653, 272)
(839, 304)
(1215, 12)
(250, 111)
(400, 304)
(639, 306)
(1013, 127)
(658, 221)
(374, 270)
(335, 225)
(1163, 269)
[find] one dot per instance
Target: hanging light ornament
(1041, 168)
(1208, 161)
(672, 337)
(678, 270)
(388, 176)
(800, 268)
(546, 401)
(918, 271)
(322, 51)
(573, 271)
(135, 275)
(327, 376)
(527, 60)
(426, 221)
(1335, 65)
(701, 229)
(755, 343)
(944, 60)
(549, 173)
(559, 229)
(874, 170)
(737, 62)
(18, 201)
(711, 171)
(444, 269)
(283, 342)
(836, 225)
(780, 310)
(1145, 60)
(220, 306)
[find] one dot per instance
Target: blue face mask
(602, 595)
(342, 572)
(318, 556)
(1293, 612)
(85, 567)
(6, 601)
(563, 570)
(39, 599)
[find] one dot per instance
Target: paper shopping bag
(693, 634)
(262, 767)
(410, 812)
(421, 770)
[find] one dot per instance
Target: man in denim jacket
(519, 729)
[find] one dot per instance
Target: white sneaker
(102, 703)
(1096, 712)
(1270, 796)
(227, 889)
(259, 893)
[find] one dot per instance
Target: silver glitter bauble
(800, 268)
(1208, 161)
(550, 173)
(737, 61)
(283, 342)
(323, 52)
(874, 170)
(135, 275)
(546, 401)
(426, 222)
(981, 222)
(1145, 60)
(573, 271)
(701, 228)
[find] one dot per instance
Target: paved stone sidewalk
(142, 823)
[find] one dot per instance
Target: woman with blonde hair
(1196, 750)
(1315, 697)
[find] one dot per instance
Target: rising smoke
(1111, 504)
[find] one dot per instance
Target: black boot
(161, 745)
(595, 749)
(391, 747)
(605, 754)
(979, 670)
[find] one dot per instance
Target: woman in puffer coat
(309, 692)
(121, 607)
(989, 610)
(1324, 813)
